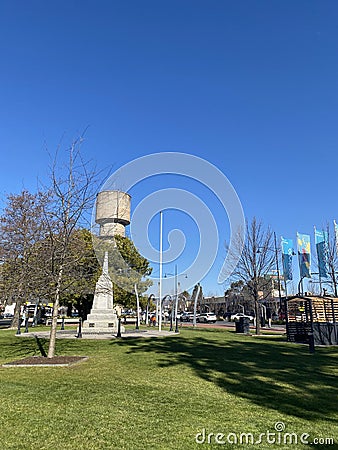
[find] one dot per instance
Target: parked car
(187, 317)
(207, 317)
(237, 316)
(8, 316)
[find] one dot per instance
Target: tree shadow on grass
(23, 347)
(272, 374)
(40, 343)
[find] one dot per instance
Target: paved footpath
(72, 334)
(143, 333)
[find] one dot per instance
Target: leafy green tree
(127, 268)
(81, 273)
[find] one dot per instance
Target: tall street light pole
(176, 300)
(195, 303)
(176, 293)
(174, 311)
(161, 268)
(277, 267)
(137, 308)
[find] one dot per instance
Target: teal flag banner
(304, 255)
(336, 233)
(287, 252)
(321, 241)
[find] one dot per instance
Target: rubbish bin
(243, 325)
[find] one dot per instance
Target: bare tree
(73, 190)
(255, 261)
(332, 259)
(21, 228)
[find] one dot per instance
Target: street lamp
(277, 267)
(137, 308)
(161, 269)
(176, 295)
(195, 303)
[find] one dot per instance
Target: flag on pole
(304, 255)
(287, 252)
(336, 234)
(321, 241)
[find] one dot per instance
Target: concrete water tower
(112, 212)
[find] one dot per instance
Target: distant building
(218, 305)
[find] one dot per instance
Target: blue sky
(250, 86)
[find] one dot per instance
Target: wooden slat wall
(325, 310)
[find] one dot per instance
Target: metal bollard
(79, 334)
(63, 323)
(118, 335)
(311, 342)
(171, 323)
(26, 325)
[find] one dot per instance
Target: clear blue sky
(251, 86)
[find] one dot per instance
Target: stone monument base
(101, 321)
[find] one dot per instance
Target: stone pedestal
(102, 317)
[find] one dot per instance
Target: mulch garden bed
(42, 361)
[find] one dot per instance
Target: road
(224, 324)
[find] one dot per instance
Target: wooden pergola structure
(312, 319)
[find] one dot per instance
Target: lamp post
(137, 308)
(176, 298)
(277, 267)
(195, 303)
(176, 295)
(161, 268)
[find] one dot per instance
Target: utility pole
(161, 268)
(277, 267)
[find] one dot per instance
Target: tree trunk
(52, 339)
(16, 317)
(334, 283)
(258, 317)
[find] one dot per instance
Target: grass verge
(159, 393)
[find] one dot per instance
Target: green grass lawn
(159, 393)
